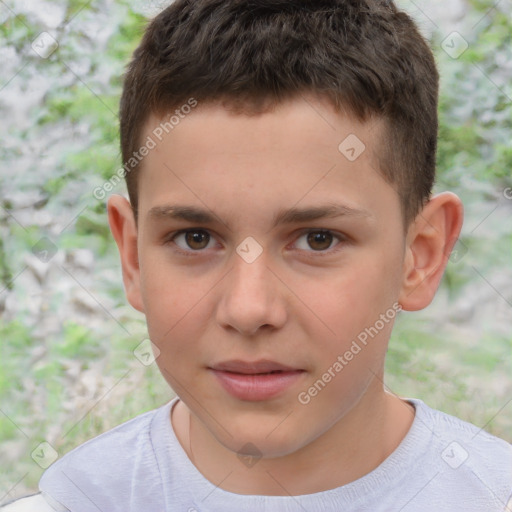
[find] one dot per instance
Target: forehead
(287, 123)
(300, 151)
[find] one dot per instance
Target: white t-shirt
(442, 465)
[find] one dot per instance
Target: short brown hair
(363, 55)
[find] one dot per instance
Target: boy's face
(210, 297)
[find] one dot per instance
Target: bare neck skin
(352, 448)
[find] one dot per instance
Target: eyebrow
(194, 214)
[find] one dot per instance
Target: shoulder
(35, 503)
(112, 446)
(469, 443)
(474, 440)
(108, 468)
(467, 455)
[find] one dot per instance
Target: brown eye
(195, 239)
(320, 240)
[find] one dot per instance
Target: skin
(298, 303)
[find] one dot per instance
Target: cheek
(169, 297)
(350, 308)
(178, 311)
(353, 298)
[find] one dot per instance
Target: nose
(252, 298)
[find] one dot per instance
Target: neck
(353, 447)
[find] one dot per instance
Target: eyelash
(194, 253)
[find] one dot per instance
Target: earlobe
(124, 230)
(430, 240)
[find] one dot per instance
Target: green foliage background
(67, 368)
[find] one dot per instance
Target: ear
(124, 229)
(430, 240)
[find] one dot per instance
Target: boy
(251, 132)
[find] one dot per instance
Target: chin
(246, 440)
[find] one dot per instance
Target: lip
(252, 381)
(252, 367)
